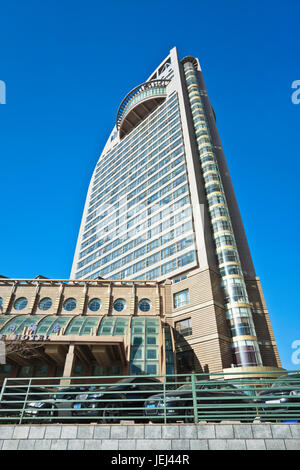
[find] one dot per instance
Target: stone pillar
(69, 364)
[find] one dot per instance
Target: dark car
(215, 402)
(12, 400)
(118, 401)
(58, 404)
(281, 401)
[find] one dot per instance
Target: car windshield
(220, 386)
(120, 384)
(185, 387)
(288, 382)
(205, 386)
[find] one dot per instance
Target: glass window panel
(45, 303)
(44, 325)
(137, 368)
(119, 331)
(12, 325)
(5, 370)
(115, 370)
(70, 304)
(181, 298)
(138, 340)
(41, 371)
(106, 330)
(151, 329)
(151, 369)
(20, 303)
(95, 305)
(30, 323)
(145, 305)
(58, 324)
(151, 354)
(74, 326)
(79, 369)
(119, 305)
(151, 340)
(138, 330)
(100, 370)
(184, 327)
(89, 324)
(136, 353)
(25, 371)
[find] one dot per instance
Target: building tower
(161, 206)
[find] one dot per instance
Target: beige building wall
(209, 341)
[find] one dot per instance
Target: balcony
(139, 103)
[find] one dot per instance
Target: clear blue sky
(67, 64)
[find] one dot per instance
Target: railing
(189, 398)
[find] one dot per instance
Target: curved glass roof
(113, 326)
(75, 325)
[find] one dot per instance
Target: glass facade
(138, 220)
(144, 350)
(238, 310)
(142, 218)
(170, 363)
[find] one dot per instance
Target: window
(119, 305)
(1, 301)
(79, 369)
(246, 353)
(99, 370)
(20, 303)
(5, 370)
(115, 370)
(25, 371)
(184, 327)
(144, 357)
(95, 304)
(181, 298)
(70, 304)
(45, 303)
(185, 361)
(59, 371)
(41, 371)
(179, 279)
(145, 305)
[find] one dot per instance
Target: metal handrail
(37, 401)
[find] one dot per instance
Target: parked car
(12, 401)
(282, 398)
(211, 401)
(117, 400)
(56, 405)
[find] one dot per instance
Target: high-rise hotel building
(162, 259)
(161, 206)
